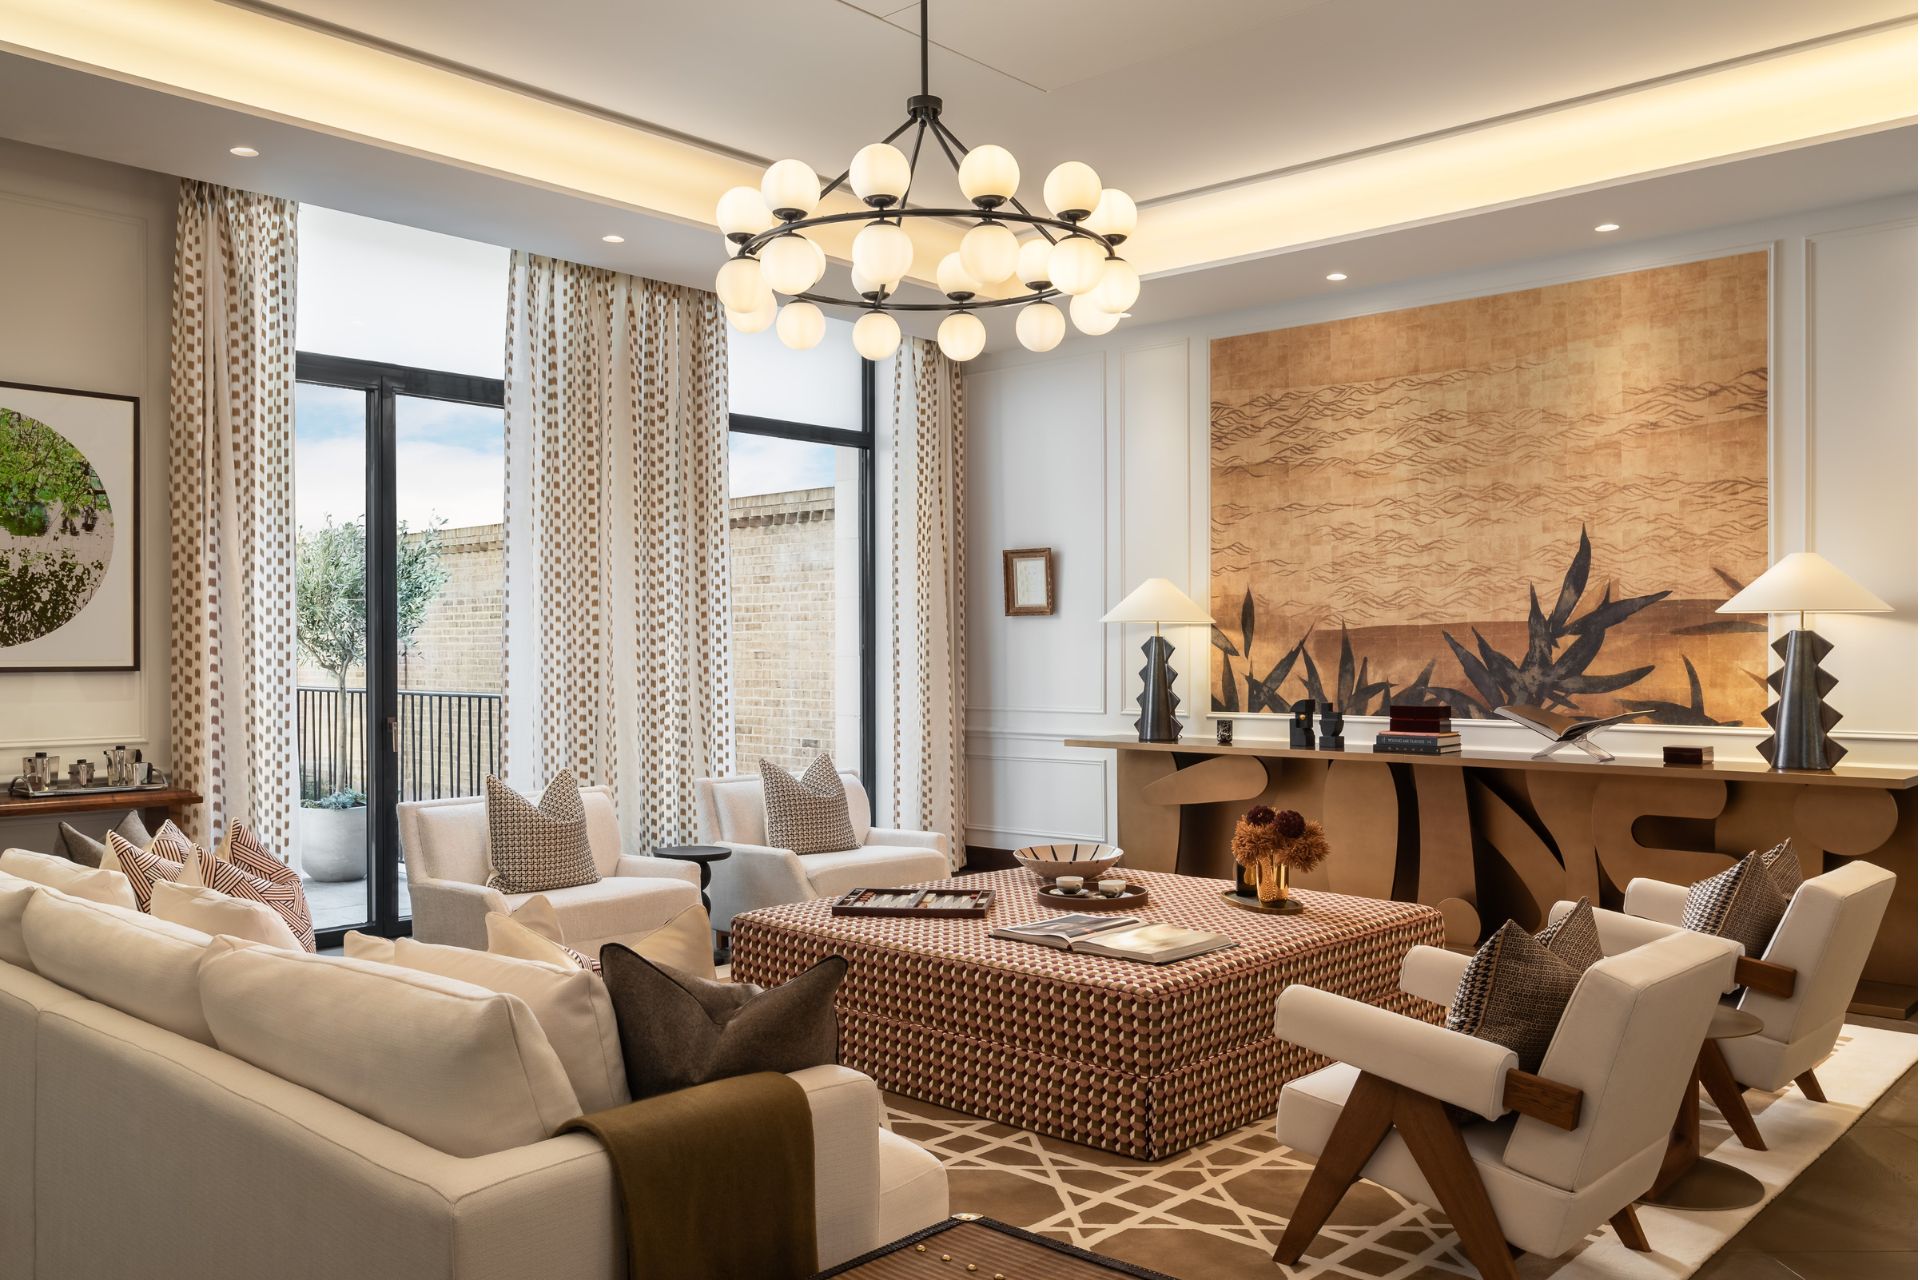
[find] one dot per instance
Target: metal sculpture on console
(1160, 603)
(1803, 583)
(1300, 728)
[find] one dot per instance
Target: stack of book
(1418, 731)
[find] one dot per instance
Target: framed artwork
(1029, 581)
(69, 530)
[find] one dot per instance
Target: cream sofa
(129, 1149)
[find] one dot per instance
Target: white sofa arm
(1620, 931)
(1433, 974)
(1442, 1064)
(452, 912)
(1657, 900)
(756, 876)
(912, 839)
(846, 1160)
(656, 868)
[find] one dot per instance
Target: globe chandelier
(1070, 254)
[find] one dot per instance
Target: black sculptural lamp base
(1158, 702)
(1801, 720)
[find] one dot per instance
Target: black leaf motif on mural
(1694, 713)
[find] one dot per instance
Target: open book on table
(1121, 937)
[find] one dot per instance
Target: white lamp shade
(989, 252)
(740, 285)
(883, 252)
(1072, 190)
(1114, 216)
(1076, 265)
(1033, 269)
(1040, 326)
(876, 335)
(1090, 318)
(862, 285)
(1119, 286)
(879, 174)
(757, 320)
(790, 264)
(801, 326)
(1804, 582)
(989, 175)
(954, 279)
(1158, 601)
(791, 188)
(743, 212)
(962, 336)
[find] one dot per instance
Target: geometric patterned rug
(1216, 1212)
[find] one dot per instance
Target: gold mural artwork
(1537, 498)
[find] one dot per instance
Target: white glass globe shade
(790, 264)
(1072, 190)
(1076, 264)
(1119, 286)
(791, 188)
(801, 325)
(1040, 326)
(954, 279)
(864, 287)
(876, 335)
(989, 176)
(879, 174)
(1033, 270)
(962, 336)
(1114, 216)
(989, 252)
(883, 252)
(1088, 316)
(742, 213)
(758, 320)
(740, 285)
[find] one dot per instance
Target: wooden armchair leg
(1362, 1123)
(1626, 1225)
(1727, 1095)
(1810, 1085)
(1435, 1143)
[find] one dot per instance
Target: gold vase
(1272, 884)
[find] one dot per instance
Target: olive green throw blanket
(716, 1180)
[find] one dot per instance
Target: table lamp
(1803, 583)
(1161, 603)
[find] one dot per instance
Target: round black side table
(705, 855)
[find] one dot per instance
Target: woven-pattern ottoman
(1141, 1060)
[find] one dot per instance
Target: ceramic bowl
(1049, 861)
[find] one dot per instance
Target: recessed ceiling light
(1608, 226)
(247, 152)
(1336, 276)
(614, 239)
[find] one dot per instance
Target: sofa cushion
(143, 867)
(532, 848)
(1743, 903)
(528, 934)
(15, 893)
(1574, 937)
(1512, 993)
(213, 912)
(95, 885)
(807, 814)
(465, 1070)
(1783, 864)
(76, 846)
(874, 866)
(570, 1004)
(612, 909)
(139, 965)
(274, 882)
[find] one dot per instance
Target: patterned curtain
(231, 495)
(618, 655)
(929, 579)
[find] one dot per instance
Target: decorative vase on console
(1267, 846)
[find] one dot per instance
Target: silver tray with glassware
(40, 775)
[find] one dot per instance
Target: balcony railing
(449, 741)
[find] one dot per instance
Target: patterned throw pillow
(76, 846)
(531, 849)
(274, 882)
(143, 866)
(1513, 993)
(1574, 937)
(807, 814)
(1743, 902)
(1784, 865)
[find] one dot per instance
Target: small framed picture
(1029, 581)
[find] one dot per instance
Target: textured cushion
(533, 848)
(1783, 864)
(677, 1030)
(274, 882)
(213, 912)
(144, 866)
(807, 814)
(1574, 937)
(1513, 993)
(139, 965)
(465, 1070)
(76, 846)
(1743, 903)
(99, 885)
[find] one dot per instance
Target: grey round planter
(333, 844)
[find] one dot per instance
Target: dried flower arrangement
(1268, 845)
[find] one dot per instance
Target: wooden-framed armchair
(1542, 1160)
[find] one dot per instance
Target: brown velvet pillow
(678, 1030)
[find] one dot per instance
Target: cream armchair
(732, 815)
(1559, 1154)
(637, 899)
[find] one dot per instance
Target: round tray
(1135, 896)
(1284, 907)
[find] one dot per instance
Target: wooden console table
(155, 806)
(1484, 836)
